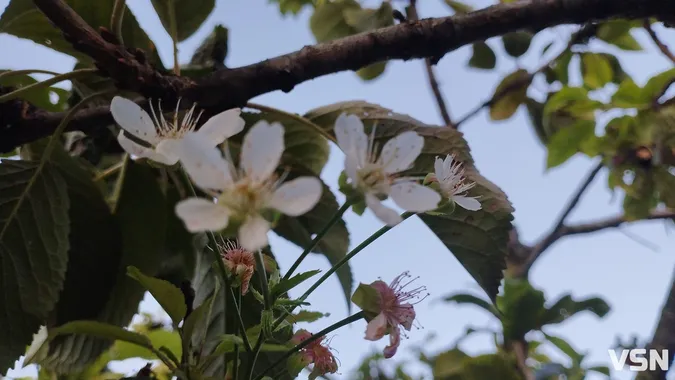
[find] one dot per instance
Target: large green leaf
(521, 305)
(141, 213)
(187, 15)
(23, 19)
(167, 295)
(39, 97)
(596, 70)
(34, 246)
(477, 239)
(568, 141)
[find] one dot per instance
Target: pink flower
(317, 353)
(239, 262)
(393, 311)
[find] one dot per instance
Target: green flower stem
(235, 363)
(320, 334)
(318, 237)
(117, 19)
(46, 83)
(339, 265)
(221, 268)
(260, 267)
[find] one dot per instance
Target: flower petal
(385, 214)
(438, 168)
(203, 163)
(222, 126)
(351, 168)
(262, 149)
(399, 153)
(350, 137)
(469, 203)
(133, 119)
(405, 314)
(376, 327)
(253, 233)
(139, 150)
(201, 214)
(414, 197)
(298, 196)
(394, 342)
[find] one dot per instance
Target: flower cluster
(316, 353)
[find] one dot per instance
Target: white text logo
(639, 362)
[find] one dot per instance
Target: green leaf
(189, 14)
(464, 298)
(482, 56)
(39, 97)
(511, 93)
(478, 239)
(102, 330)
(535, 111)
(334, 245)
(567, 142)
(367, 298)
(169, 297)
(574, 101)
(517, 43)
(521, 306)
(458, 7)
(561, 68)
(490, 366)
(22, 19)
(617, 33)
(566, 307)
(227, 343)
(285, 285)
(141, 214)
(122, 350)
(34, 229)
(212, 51)
(196, 325)
(596, 70)
(658, 84)
(292, 6)
(328, 21)
(563, 346)
(366, 19)
(306, 316)
(629, 95)
(371, 72)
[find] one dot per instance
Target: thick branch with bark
(428, 38)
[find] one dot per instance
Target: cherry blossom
(376, 177)
(450, 177)
(161, 135)
(317, 353)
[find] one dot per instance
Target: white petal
(468, 203)
(201, 214)
(138, 150)
(399, 153)
(388, 216)
(222, 126)
(298, 196)
(414, 197)
(438, 169)
(253, 233)
(350, 136)
(351, 168)
(262, 149)
(203, 162)
(169, 149)
(133, 119)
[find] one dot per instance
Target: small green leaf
(535, 111)
(212, 52)
(573, 100)
(189, 15)
(194, 327)
(521, 305)
(482, 56)
(464, 298)
(286, 285)
(448, 364)
(517, 43)
(306, 316)
(458, 7)
(596, 70)
(567, 142)
(657, 85)
(510, 94)
(617, 33)
(629, 95)
(102, 330)
(367, 298)
(328, 20)
(563, 346)
(566, 307)
(39, 97)
(167, 295)
(227, 343)
(371, 72)
(122, 350)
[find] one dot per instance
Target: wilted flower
(394, 310)
(244, 193)
(239, 262)
(162, 135)
(449, 175)
(376, 177)
(316, 352)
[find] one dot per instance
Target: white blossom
(243, 194)
(161, 135)
(376, 177)
(452, 181)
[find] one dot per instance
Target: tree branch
(225, 89)
(664, 49)
(433, 83)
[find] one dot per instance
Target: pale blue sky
(631, 277)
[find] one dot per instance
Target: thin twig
(664, 49)
(433, 83)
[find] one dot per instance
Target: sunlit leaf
(510, 93)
